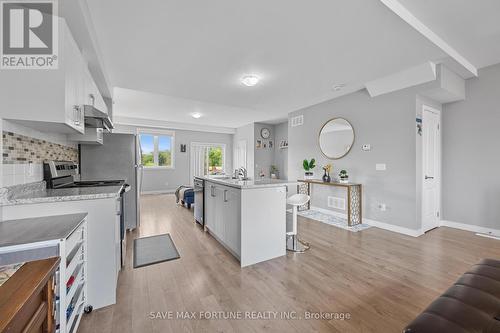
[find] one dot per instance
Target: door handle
(225, 195)
(428, 177)
(212, 192)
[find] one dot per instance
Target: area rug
(153, 250)
(331, 219)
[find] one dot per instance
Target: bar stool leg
(293, 243)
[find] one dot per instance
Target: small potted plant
(326, 177)
(274, 172)
(308, 167)
(344, 177)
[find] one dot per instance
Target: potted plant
(308, 167)
(274, 172)
(344, 177)
(326, 177)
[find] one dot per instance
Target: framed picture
(270, 144)
(258, 144)
(264, 145)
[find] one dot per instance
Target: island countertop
(248, 184)
(32, 194)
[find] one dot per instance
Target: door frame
(434, 110)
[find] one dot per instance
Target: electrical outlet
(382, 207)
(366, 147)
(380, 167)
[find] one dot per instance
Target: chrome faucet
(242, 173)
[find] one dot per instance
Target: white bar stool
(293, 243)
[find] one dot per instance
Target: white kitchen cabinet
(231, 200)
(92, 96)
(222, 215)
(103, 234)
(51, 100)
(249, 221)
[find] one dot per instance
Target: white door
(431, 171)
(240, 155)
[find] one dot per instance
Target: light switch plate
(380, 167)
(367, 147)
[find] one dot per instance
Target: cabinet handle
(212, 190)
(225, 195)
(92, 99)
(76, 115)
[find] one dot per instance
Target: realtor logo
(29, 34)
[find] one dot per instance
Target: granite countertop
(249, 184)
(39, 229)
(37, 193)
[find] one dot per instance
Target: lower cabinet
(222, 215)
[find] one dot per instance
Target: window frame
(156, 134)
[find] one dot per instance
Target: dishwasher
(199, 185)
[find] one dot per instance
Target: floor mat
(153, 250)
(331, 219)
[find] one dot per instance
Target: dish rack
(71, 281)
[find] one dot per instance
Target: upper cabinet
(92, 95)
(51, 99)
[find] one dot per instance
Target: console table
(354, 197)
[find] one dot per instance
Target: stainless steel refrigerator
(115, 159)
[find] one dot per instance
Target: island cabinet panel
(249, 222)
(222, 215)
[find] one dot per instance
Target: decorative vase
(344, 180)
(326, 177)
(308, 175)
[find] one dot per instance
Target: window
(207, 159)
(157, 150)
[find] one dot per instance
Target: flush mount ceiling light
(338, 87)
(196, 115)
(250, 80)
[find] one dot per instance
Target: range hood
(95, 118)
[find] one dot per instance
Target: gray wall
(386, 122)
(471, 159)
(158, 180)
(281, 155)
(264, 157)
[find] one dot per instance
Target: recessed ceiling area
(191, 55)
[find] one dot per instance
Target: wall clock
(265, 133)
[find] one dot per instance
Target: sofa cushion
(472, 304)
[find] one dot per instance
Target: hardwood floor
(381, 279)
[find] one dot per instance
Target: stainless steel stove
(63, 174)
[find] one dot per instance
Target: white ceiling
(194, 52)
(472, 27)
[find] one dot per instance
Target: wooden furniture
(27, 298)
(354, 197)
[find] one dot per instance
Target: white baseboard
(377, 224)
(157, 192)
(473, 228)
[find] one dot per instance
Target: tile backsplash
(23, 157)
(21, 149)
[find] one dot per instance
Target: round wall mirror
(336, 138)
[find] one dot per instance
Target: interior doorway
(431, 168)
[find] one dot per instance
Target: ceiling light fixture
(196, 115)
(338, 87)
(250, 80)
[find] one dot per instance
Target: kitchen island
(248, 217)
